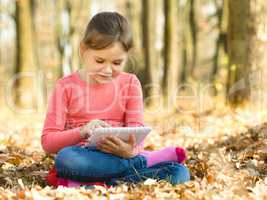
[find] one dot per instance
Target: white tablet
(122, 132)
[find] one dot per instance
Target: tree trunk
(247, 51)
(182, 15)
(171, 63)
(132, 11)
(149, 50)
(63, 35)
(25, 67)
(60, 5)
(238, 36)
(193, 32)
(257, 58)
(219, 14)
(79, 13)
(220, 42)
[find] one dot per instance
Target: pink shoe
(181, 154)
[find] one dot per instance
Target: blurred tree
(45, 40)
(247, 49)
(132, 10)
(61, 38)
(182, 15)
(219, 14)
(7, 60)
(171, 54)
(72, 17)
(26, 62)
(149, 50)
(237, 86)
(220, 43)
(194, 34)
(188, 12)
(79, 14)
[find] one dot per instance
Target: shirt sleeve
(134, 113)
(54, 137)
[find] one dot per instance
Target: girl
(100, 94)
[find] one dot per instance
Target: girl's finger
(115, 140)
(105, 148)
(109, 143)
(132, 140)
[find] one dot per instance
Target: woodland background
(202, 65)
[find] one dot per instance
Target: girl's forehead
(114, 51)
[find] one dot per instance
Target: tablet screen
(122, 132)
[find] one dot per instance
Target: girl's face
(105, 64)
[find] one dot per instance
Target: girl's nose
(107, 70)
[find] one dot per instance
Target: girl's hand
(87, 130)
(118, 147)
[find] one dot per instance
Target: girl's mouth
(104, 76)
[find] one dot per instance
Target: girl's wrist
(132, 154)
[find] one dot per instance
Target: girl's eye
(116, 63)
(100, 61)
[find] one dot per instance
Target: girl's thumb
(132, 139)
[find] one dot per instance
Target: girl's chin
(101, 79)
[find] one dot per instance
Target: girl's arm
(134, 115)
(54, 137)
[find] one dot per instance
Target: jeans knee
(179, 174)
(185, 172)
(67, 159)
(62, 154)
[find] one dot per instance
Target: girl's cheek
(119, 68)
(95, 67)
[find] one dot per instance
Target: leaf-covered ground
(227, 156)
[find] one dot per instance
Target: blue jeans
(89, 164)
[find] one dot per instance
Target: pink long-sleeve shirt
(74, 102)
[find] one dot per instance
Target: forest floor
(227, 157)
